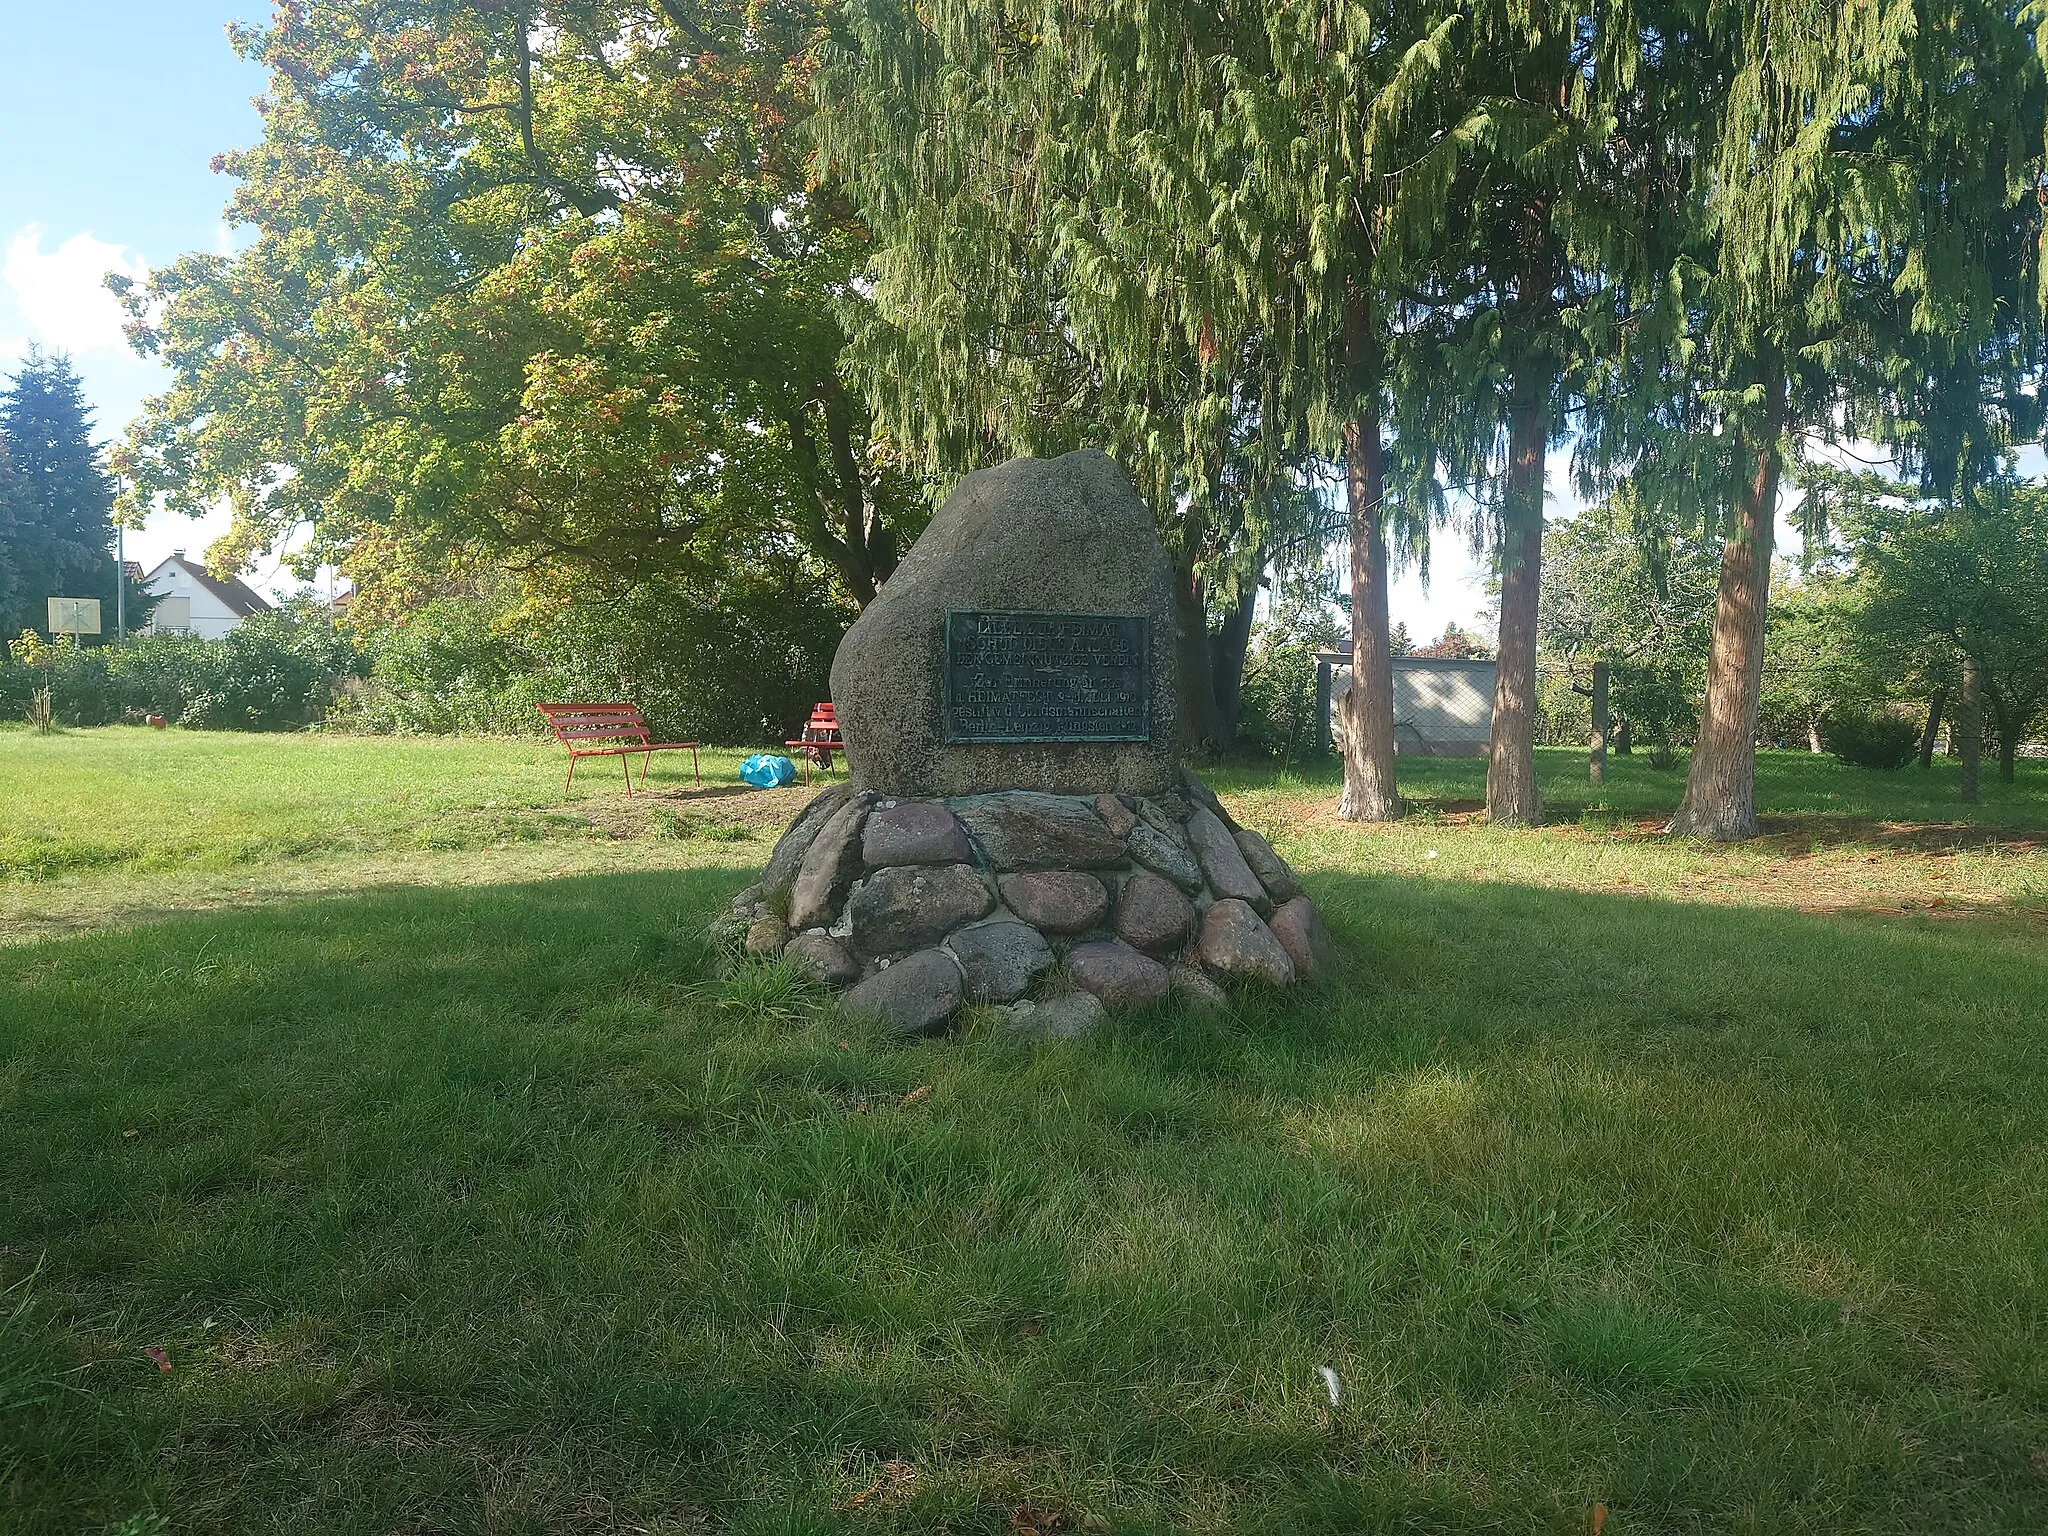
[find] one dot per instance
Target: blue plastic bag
(766, 770)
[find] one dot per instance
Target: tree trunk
(1369, 789)
(1933, 728)
(1624, 738)
(1720, 787)
(1201, 729)
(1970, 727)
(2008, 726)
(1596, 762)
(1813, 743)
(1227, 649)
(1511, 798)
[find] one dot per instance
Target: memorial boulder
(1017, 831)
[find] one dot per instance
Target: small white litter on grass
(1330, 1383)
(1431, 854)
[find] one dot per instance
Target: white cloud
(60, 294)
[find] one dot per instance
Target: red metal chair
(819, 740)
(621, 729)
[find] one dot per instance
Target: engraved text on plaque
(1047, 676)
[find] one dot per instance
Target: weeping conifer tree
(1170, 229)
(1799, 222)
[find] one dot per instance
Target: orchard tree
(1629, 603)
(1977, 582)
(538, 284)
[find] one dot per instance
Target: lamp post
(120, 582)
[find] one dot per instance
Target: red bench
(819, 740)
(611, 730)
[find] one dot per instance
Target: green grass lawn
(1709, 1186)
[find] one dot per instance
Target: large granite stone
(1056, 900)
(1271, 869)
(788, 856)
(1066, 1017)
(1236, 946)
(1117, 974)
(1001, 957)
(1230, 877)
(1151, 913)
(1026, 830)
(766, 936)
(915, 905)
(913, 832)
(1066, 535)
(823, 957)
(1197, 991)
(1115, 815)
(1299, 928)
(912, 997)
(829, 865)
(1165, 854)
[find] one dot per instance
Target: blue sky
(109, 116)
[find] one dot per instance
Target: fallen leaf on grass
(130, 1134)
(1599, 1518)
(162, 1360)
(917, 1095)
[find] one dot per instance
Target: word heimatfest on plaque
(1047, 676)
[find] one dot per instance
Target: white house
(194, 601)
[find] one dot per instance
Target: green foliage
(1278, 707)
(1968, 576)
(56, 499)
(1621, 585)
(549, 283)
(740, 662)
(1871, 740)
(274, 671)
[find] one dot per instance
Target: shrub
(1871, 740)
(274, 671)
(740, 662)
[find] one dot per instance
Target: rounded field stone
(1115, 815)
(912, 997)
(788, 857)
(1152, 914)
(824, 957)
(1027, 830)
(1197, 990)
(1165, 854)
(913, 832)
(1271, 869)
(915, 905)
(1002, 958)
(1056, 900)
(1117, 974)
(1299, 928)
(766, 936)
(829, 866)
(1236, 946)
(1066, 1017)
(1223, 861)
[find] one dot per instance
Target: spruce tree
(56, 526)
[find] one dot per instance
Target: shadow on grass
(478, 1209)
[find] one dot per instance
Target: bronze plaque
(1047, 676)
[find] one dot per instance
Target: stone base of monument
(1052, 908)
(1016, 829)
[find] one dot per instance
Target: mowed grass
(477, 1208)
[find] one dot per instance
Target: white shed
(194, 601)
(1443, 707)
